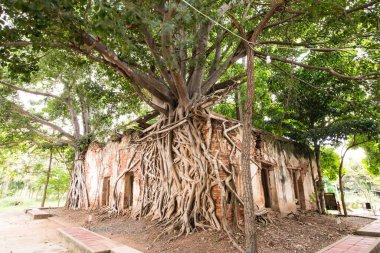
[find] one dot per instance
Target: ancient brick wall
(287, 172)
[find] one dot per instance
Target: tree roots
(180, 170)
(77, 196)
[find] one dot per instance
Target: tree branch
(361, 7)
(153, 49)
(171, 59)
(15, 44)
(197, 75)
(154, 86)
(285, 20)
(214, 77)
(73, 115)
(225, 84)
(31, 91)
(18, 109)
(48, 137)
(329, 70)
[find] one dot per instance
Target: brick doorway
(128, 190)
(269, 187)
(265, 181)
(106, 191)
(298, 188)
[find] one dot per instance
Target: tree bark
(340, 172)
(321, 188)
(77, 196)
(47, 179)
(238, 109)
(249, 211)
(341, 187)
(73, 115)
(314, 185)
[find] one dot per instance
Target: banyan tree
(181, 57)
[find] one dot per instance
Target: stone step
(354, 244)
(38, 214)
(124, 249)
(372, 229)
(81, 240)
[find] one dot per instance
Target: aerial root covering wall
(281, 173)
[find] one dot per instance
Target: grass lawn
(22, 202)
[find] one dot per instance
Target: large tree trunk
(182, 171)
(314, 184)
(249, 214)
(77, 196)
(249, 207)
(321, 187)
(47, 179)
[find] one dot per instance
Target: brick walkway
(353, 244)
(83, 240)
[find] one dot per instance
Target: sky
(355, 155)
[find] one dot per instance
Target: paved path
(20, 234)
(372, 229)
(365, 240)
(353, 244)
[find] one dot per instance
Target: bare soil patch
(19, 233)
(296, 233)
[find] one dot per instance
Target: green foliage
(59, 182)
(321, 108)
(105, 96)
(290, 100)
(358, 180)
(372, 161)
(330, 162)
(12, 203)
(25, 173)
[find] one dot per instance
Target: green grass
(22, 202)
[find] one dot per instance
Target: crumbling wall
(109, 161)
(280, 158)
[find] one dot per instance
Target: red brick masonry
(82, 240)
(354, 244)
(88, 239)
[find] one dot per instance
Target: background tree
(78, 103)
(319, 109)
(23, 171)
(48, 174)
(358, 179)
(354, 142)
(330, 162)
(372, 160)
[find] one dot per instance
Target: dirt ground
(20, 234)
(302, 232)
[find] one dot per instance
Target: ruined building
(281, 173)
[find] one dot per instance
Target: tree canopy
(175, 54)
